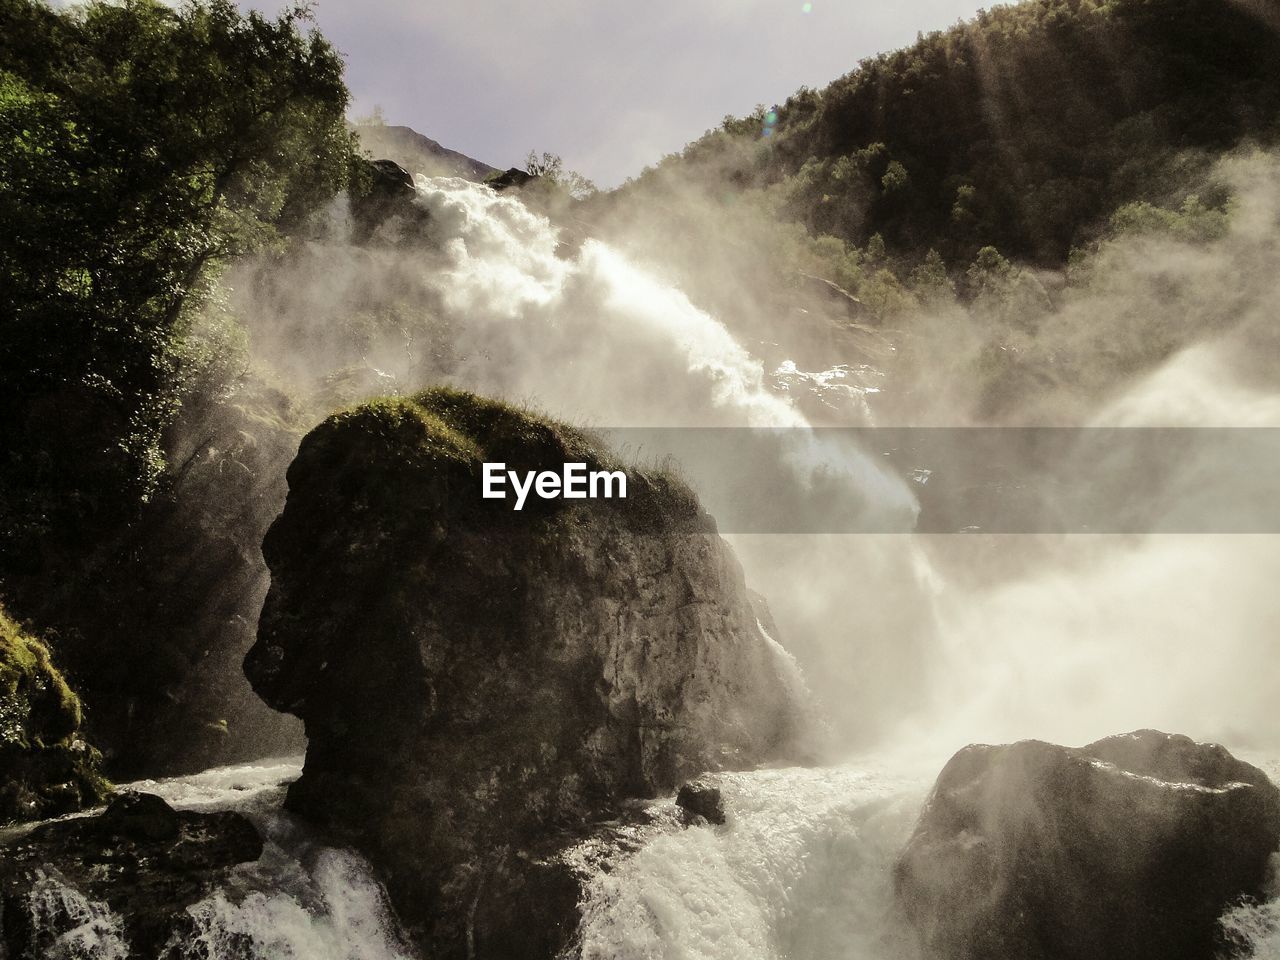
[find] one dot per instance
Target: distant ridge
(419, 154)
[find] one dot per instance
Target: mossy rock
(476, 680)
(444, 436)
(46, 769)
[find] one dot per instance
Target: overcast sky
(609, 85)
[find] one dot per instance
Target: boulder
(1131, 847)
(129, 873)
(507, 179)
(474, 679)
(140, 816)
(700, 798)
(46, 768)
(385, 206)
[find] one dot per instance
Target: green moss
(27, 673)
(446, 430)
(45, 768)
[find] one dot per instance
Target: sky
(610, 86)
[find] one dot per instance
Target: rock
(131, 871)
(699, 798)
(46, 769)
(420, 154)
(1131, 847)
(140, 816)
(386, 206)
(514, 177)
(528, 905)
(474, 679)
(830, 293)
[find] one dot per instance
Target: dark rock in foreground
(140, 861)
(1130, 848)
(473, 679)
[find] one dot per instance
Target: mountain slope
(419, 154)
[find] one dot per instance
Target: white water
(301, 900)
(92, 933)
(801, 869)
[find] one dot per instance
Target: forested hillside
(1022, 129)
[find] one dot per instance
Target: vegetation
(403, 446)
(966, 191)
(550, 166)
(1022, 129)
(140, 147)
(44, 768)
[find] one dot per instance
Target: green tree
(140, 147)
(550, 167)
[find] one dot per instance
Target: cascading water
(301, 900)
(803, 867)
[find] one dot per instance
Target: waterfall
(801, 869)
(893, 644)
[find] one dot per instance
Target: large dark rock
(1126, 849)
(700, 798)
(385, 206)
(130, 872)
(513, 178)
(475, 679)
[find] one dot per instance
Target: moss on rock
(45, 768)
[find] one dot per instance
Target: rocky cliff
(1130, 848)
(476, 681)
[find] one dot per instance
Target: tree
(140, 147)
(550, 167)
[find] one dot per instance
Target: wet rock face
(699, 798)
(1131, 847)
(126, 876)
(388, 196)
(153, 621)
(473, 678)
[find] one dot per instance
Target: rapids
(302, 900)
(801, 870)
